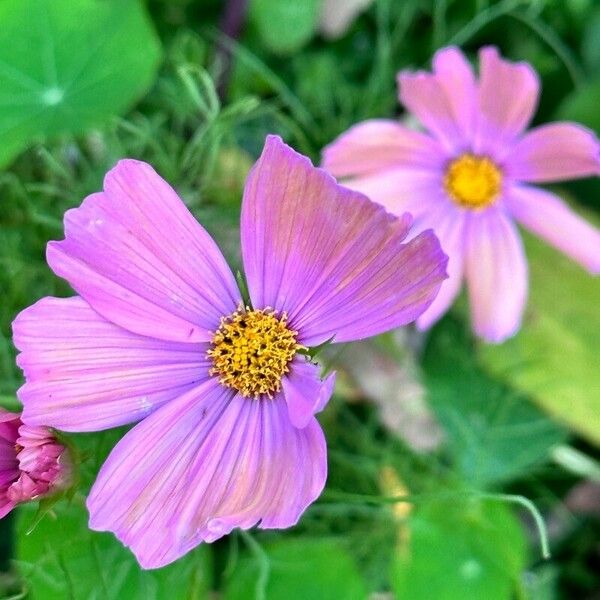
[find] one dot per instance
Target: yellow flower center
(251, 351)
(473, 181)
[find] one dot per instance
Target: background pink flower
(226, 392)
(470, 175)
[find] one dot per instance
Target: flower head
(470, 175)
(32, 463)
(225, 392)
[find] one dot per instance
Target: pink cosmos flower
(226, 393)
(470, 175)
(32, 463)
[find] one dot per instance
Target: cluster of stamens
(473, 181)
(251, 351)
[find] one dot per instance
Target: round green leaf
(493, 433)
(61, 558)
(459, 551)
(68, 65)
(297, 569)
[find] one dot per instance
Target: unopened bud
(33, 464)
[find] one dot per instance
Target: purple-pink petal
(399, 190)
(381, 144)
(330, 258)
(554, 152)
(450, 229)
(9, 425)
(553, 220)
(9, 465)
(305, 392)
(496, 273)
(207, 463)
(7, 455)
(457, 80)
(423, 95)
(444, 101)
(139, 258)
(508, 96)
(84, 373)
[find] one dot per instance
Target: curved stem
(415, 498)
(535, 513)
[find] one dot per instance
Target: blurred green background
(466, 432)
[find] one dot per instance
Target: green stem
(479, 21)
(555, 43)
(264, 565)
(416, 498)
(535, 513)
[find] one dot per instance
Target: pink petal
(9, 465)
(450, 229)
(496, 273)
(401, 190)
(421, 194)
(8, 458)
(330, 258)
(508, 95)
(9, 475)
(203, 465)
(457, 80)
(6, 506)
(9, 425)
(549, 217)
(140, 259)
(444, 102)
(555, 152)
(7, 416)
(84, 373)
(305, 392)
(379, 144)
(8, 454)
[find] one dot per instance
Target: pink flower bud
(32, 463)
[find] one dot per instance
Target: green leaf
(555, 355)
(62, 558)
(284, 27)
(456, 551)
(493, 433)
(297, 569)
(10, 403)
(68, 65)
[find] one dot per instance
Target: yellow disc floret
(251, 351)
(473, 181)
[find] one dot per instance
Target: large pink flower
(471, 175)
(226, 392)
(32, 463)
